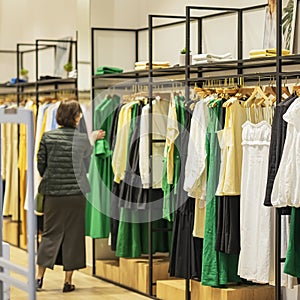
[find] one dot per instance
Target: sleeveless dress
(256, 219)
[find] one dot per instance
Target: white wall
(26, 20)
(219, 34)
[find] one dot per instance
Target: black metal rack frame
(18, 88)
(39, 45)
(199, 71)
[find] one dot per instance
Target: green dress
(100, 174)
(132, 239)
(217, 268)
(292, 262)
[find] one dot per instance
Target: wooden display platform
(171, 289)
(240, 292)
(133, 272)
(108, 269)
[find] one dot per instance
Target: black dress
(186, 250)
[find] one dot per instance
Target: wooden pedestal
(241, 292)
(108, 269)
(171, 289)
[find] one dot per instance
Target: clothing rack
(55, 85)
(39, 87)
(237, 65)
(135, 76)
(278, 74)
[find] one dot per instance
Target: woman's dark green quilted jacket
(60, 162)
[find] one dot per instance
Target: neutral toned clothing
(119, 157)
(10, 204)
(195, 168)
(230, 140)
(63, 239)
(171, 135)
(286, 189)
(256, 220)
(3, 151)
(159, 129)
(278, 137)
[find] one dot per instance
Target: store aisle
(87, 287)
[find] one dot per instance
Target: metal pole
(31, 224)
(37, 75)
(76, 64)
(137, 45)
(150, 233)
(93, 110)
(200, 35)
(240, 41)
(278, 93)
(187, 95)
(18, 74)
(92, 71)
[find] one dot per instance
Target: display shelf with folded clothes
(256, 53)
(211, 57)
(108, 70)
(144, 65)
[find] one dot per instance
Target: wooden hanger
(256, 92)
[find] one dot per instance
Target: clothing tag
(285, 96)
(272, 97)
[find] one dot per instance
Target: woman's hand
(100, 134)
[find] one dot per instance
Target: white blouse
(286, 189)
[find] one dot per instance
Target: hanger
(256, 92)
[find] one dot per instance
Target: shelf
(255, 66)
(46, 82)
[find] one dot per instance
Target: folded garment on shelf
(210, 57)
(255, 53)
(144, 65)
(108, 70)
(15, 80)
(49, 77)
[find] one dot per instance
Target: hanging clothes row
(118, 204)
(227, 154)
(14, 154)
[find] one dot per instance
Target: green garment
(108, 70)
(217, 268)
(100, 174)
(292, 262)
(170, 190)
(137, 234)
(132, 240)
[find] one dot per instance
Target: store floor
(87, 287)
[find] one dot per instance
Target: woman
(64, 185)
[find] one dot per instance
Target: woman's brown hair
(67, 113)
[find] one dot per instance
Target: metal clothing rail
(237, 66)
(21, 116)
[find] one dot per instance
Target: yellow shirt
(230, 139)
(119, 157)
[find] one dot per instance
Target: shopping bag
(39, 204)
